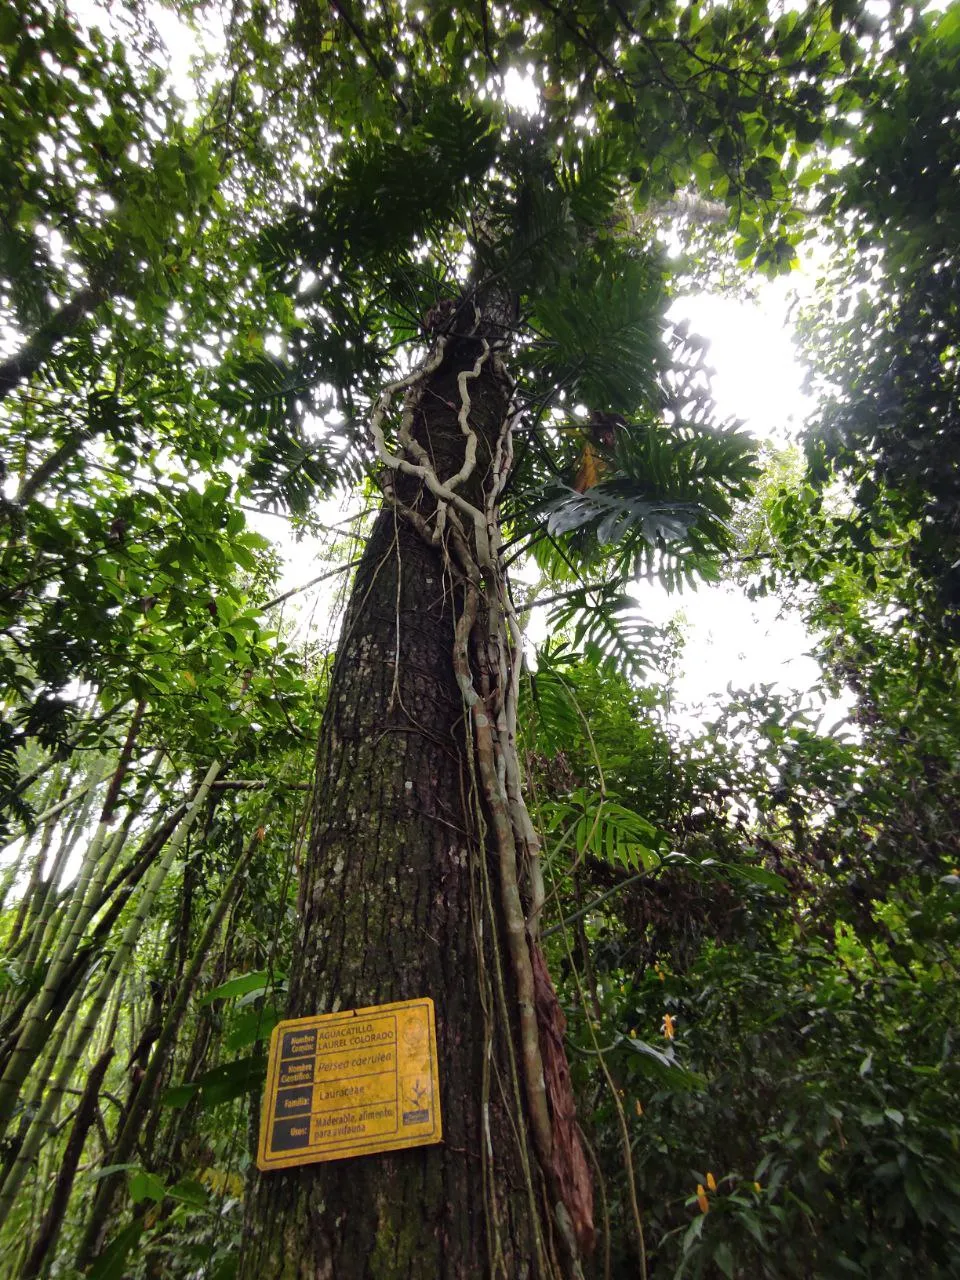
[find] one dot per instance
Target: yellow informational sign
(351, 1084)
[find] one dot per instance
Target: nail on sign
(351, 1084)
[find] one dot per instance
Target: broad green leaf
(144, 1185)
(239, 986)
(112, 1263)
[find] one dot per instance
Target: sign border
(266, 1162)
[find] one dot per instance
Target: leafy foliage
(754, 928)
(889, 418)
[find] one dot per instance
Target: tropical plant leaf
(604, 828)
(612, 513)
(607, 625)
(239, 986)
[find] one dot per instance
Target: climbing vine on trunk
(436, 555)
(487, 654)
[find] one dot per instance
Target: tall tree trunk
(396, 897)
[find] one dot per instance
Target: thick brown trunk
(392, 908)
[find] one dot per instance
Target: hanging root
(487, 650)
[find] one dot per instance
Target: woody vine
(487, 649)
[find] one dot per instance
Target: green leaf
(251, 1025)
(178, 1095)
(658, 1055)
(146, 1186)
(694, 1232)
(237, 987)
(189, 1191)
(112, 1263)
(232, 1080)
(665, 1066)
(761, 876)
(724, 1259)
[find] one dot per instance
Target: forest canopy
(695, 988)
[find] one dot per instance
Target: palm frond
(273, 402)
(591, 178)
(390, 194)
(602, 828)
(606, 624)
(612, 512)
(600, 335)
(548, 710)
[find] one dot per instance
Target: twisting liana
(486, 656)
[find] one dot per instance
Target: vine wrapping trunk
(423, 877)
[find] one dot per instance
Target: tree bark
(393, 907)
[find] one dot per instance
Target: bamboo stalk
(93, 873)
(46, 828)
(127, 1138)
(48, 899)
(35, 1027)
(120, 956)
(53, 1220)
(41, 1109)
(98, 1002)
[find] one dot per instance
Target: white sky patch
(733, 641)
(183, 42)
(729, 638)
(520, 91)
(760, 643)
(757, 376)
(182, 47)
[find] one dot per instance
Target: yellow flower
(757, 1187)
(711, 1181)
(669, 1026)
(702, 1200)
(638, 1107)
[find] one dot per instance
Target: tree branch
(17, 368)
(322, 577)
